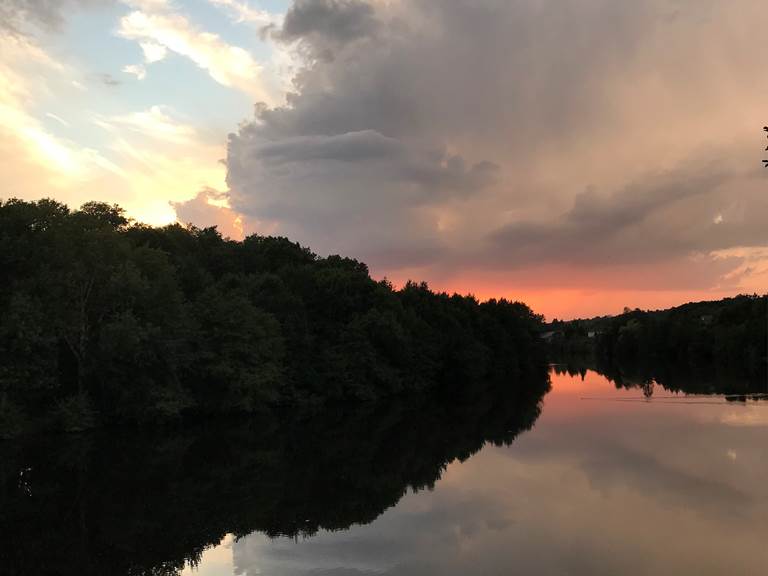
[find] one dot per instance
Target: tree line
(103, 320)
(697, 347)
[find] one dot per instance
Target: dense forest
(146, 503)
(103, 320)
(718, 346)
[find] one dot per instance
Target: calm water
(598, 481)
(616, 484)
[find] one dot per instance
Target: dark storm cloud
(338, 21)
(442, 70)
(432, 170)
(349, 147)
(463, 132)
(660, 217)
(356, 188)
(618, 228)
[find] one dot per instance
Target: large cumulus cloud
(507, 135)
(336, 22)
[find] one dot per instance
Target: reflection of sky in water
(598, 487)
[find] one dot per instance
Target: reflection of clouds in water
(639, 491)
(667, 463)
(747, 416)
(394, 544)
(550, 521)
(215, 561)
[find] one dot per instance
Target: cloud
(491, 146)
(107, 79)
(430, 169)
(157, 122)
(163, 159)
(752, 273)
(339, 188)
(350, 147)
(158, 29)
(630, 226)
(243, 12)
(148, 158)
(58, 119)
(328, 23)
(17, 15)
(153, 52)
(136, 70)
(36, 153)
(142, 159)
(149, 5)
(503, 137)
(203, 212)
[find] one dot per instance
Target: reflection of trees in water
(647, 387)
(648, 374)
(121, 504)
(716, 347)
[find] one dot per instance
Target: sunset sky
(579, 155)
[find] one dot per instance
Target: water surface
(566, 475)
(607, 482)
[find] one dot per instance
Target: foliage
(150, 324)
(75, 413)
(694, 347)
(729, 332)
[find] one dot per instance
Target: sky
(578, 155)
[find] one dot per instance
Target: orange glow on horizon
(572, 303)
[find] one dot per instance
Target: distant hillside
(724, 334)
